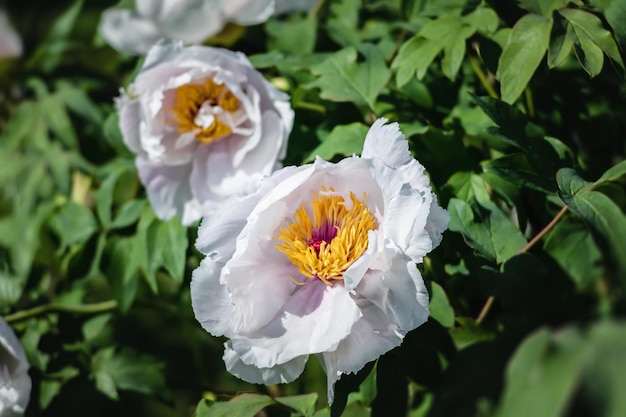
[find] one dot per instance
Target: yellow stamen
(326, 246)
(189, 100)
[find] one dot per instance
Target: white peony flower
(10, 42)
(15, 383)
(205, 125)
(320, 260)
(191, 21)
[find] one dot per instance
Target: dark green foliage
(516, 110)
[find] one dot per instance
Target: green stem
(482, 77)
(60, 308)
(311, 106)
(397, 45)
(489, 302)
(530, 106)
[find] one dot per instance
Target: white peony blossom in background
(205, 125)
(320, 260)
(15, 383)
(191, 21)
(10, 42)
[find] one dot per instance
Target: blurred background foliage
(516, 109)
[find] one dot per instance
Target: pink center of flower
(323, 247)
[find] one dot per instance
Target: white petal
(126, 31)
(191, 21)
(218, 232)
(315, 319)
(277, 374)
(129, 117)
(246, 12)
(10, 344)
(284, 6)
(438, 220)
(399, 292)
(10, 41)
(210, 300)
(15, 383)
(167, 187)
(387, 143)
(373, 335)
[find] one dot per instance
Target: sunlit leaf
(342, 78)
(486, 229)
(520, 58)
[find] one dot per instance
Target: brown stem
(489, 302)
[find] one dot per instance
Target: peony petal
(315, 319)
(166, 187)
(285, 6)
(387, 143)
(246, 12)
(370, 337)
(10, 41)
(191, 21)
(15, 383)
(216, 233)
(399, 292)
(438, 220)
(129, 112)
(210, 300)
(126, 31)
(285, 372)
(10, 344)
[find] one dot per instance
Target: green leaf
(615, 173)
(542, 7)
(605, 217)
(486, 229)
(440, 308)
(469, 333)
(281, 34)
(128, 213)
(570, 183)
(126, 370)
(544, 154)
(561, 43)
(344, 140)
(447, 33)
(540, 381)
(343, 21)
(58, 121)
(342, 78)
(104, 199)
(484, 19)
(244, 405)
(173, 242)
(73, 224)
(592, 36)
(120, 265)
(303, 404)
(51, 384)
(615, 14)
(50, 52)
(572, 247)
(522, 54)
(467, 186)
(516, 169)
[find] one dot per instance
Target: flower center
(324, 248)
(205, 109)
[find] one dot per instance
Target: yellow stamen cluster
(189, 100)
(328, 260)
